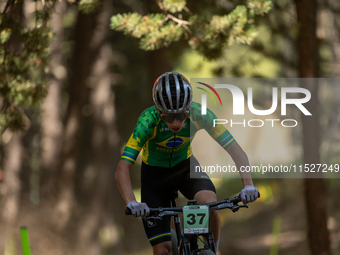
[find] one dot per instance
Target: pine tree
(205, 32)
(24, 57)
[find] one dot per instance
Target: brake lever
(246, 206)
(236, 207)
(161, 215)
(223, 206)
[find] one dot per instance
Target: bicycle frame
(189, 242)
(177, 220)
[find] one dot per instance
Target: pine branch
(208, 36)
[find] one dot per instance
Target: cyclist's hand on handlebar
(249, 194)
(138, 209)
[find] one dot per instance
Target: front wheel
(174, 242)
(205, 252)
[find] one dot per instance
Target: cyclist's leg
(156, 191)
(208, 196)
(203, 190)
(163, 248)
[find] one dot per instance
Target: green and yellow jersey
(164, 148)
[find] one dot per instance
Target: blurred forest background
(72, 86)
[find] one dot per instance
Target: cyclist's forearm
(241, 160)
(246, 179)
(123, 180)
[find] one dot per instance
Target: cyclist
(163, 131)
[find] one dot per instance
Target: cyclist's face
(176, 122)
(176, 125)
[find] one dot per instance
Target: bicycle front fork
(191, 242)
(177, 220)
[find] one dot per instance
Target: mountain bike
(195, 238)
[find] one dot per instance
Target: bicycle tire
(174, 247)
(205, 252)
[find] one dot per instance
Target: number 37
(192, 217)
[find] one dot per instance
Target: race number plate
(196, 219)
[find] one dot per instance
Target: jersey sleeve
(142, 132)
(219, 133)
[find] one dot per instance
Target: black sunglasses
(170, 117)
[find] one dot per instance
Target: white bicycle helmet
(172, 93)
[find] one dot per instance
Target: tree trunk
(11, 161)
(78, 93)
(158, 64)
(11, 198)
(51, 125)
(97, 192)
(315, 193)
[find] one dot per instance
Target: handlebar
(229, 203)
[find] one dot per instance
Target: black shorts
(158, 184)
